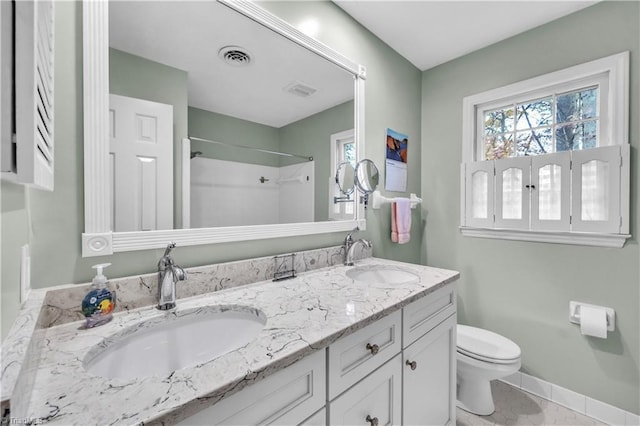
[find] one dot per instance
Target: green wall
(15, 233)
(312, 136)
(137, 77)
(57, 218)
(235, 131)
(392, 99)
(522, 289)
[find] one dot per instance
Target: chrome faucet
(350, 245)
(168, 275)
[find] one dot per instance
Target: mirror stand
(366, 179)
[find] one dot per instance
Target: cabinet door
(376, 400)
(287, 397)
(429, 377)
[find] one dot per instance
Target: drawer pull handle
(373, 421)
(374, 350)
(412, 364)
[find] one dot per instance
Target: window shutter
(512, 195)
(34, 92)
(479, 194)
(7, 147)
(596, 178)
(550, 197)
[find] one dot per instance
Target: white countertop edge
(16, 344)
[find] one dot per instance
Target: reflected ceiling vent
(300, 89)
(235, 56)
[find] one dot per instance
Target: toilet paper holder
(574, 314)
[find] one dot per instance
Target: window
(343, 148)
(559, 122)
(547, 159)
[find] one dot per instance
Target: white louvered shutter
(479, 195)
(550, 192)
(512, 192)
(34, 92)
(596, 182)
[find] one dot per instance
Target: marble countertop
(304, 314)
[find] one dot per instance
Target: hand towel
(394, 227)
(403, 219)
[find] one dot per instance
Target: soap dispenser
(99, 303)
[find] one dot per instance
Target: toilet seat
(485, 345)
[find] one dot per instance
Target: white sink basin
(172, 342)
(382, 275)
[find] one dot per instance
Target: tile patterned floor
(516, 407)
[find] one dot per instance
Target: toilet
(482, 356)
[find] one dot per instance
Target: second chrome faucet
(350, 246)
(168, 275)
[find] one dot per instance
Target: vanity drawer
(375, 400)
(424, 314)
(353, 357)
(287, 397)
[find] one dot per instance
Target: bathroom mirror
(367, 176)
(345, 176)
(99, 237)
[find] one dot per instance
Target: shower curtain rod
(284, 154)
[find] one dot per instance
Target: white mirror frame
(98, 239)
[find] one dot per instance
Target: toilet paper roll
(593, 321)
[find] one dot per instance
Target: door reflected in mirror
(247, 96)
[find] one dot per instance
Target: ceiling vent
(235, 56)
(300, 89)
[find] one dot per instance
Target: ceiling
(429, 33)
(188, 35)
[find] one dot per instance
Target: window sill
(576, 238)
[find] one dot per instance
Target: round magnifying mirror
(367, 176)
(345, 178)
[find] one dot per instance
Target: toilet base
(475, 396)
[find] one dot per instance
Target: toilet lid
(486, 345)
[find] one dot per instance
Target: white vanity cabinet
(429, 359)
(428, 379)
(417, 386)
(400, 369)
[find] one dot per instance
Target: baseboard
(577, 402)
